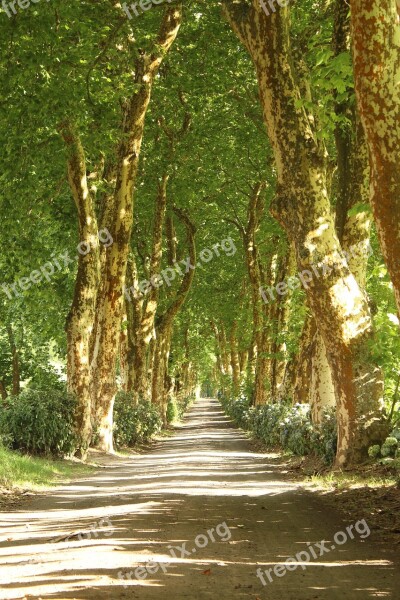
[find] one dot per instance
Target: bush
(396, 434)
(296, 430)
(374, 451)
(134, 423)
(45, 378)
(184, 404)
(325, 436)
(286, 426)
(389, 447)
(238, 410)
(40, 421)
(172, 411)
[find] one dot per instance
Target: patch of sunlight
(393, 318)
(346, 295)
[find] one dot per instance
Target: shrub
(396, 434)
(374, 451)
(389, 447)
(134, 423)
(325, 436)
(40, 421)
(296, 430)
(172, 411)
(238, 410)
(183, 404)
(286, 426)
(46, 378)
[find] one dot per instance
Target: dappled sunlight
(186, 485)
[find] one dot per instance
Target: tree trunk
(376, 57)
(278, 319)
(164, 325)
(302, 207)
(243, 362)
(322, 391)
(109, 307)
(80, 320)
(223, 344)
(16, 376)
(235, 365)
(218, 352)
(303, 362)
(3, 390)
(258, 360)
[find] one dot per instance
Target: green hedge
(286, 426)
(39, 421)
(134, 423)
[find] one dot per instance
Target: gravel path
(206, 497)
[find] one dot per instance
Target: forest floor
(208, 486)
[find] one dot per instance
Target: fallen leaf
(207, 572)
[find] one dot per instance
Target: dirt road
(203, 495)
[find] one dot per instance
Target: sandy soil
(82, 540)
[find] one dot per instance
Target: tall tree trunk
(302, 207)
(144, 309)
(223, 344)
(3, 390)
(303, 362)
(109, 306)
(235, 365)
(258, 360)
(376, 57)
(80, 320)
(278, 318)
(164, 323)
(124, 353)
(137, 366)
(16, 375)
(218, 351)
(145, 330)
(243, 362)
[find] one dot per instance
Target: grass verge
(18, 471)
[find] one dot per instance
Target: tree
(302, 207)
(376, 54)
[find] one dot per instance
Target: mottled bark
(258, 359)
(80, 320)
(144, 310)
(109, 308)
(278, 318)
(302, 207)
(16, 375)
(136, 358)
(235, 365)
(303, 362)
(243, 362)
(164, 323)
(223, 344)
(3, 390)
(376, 57)
(353, 230)
(123, 353)
(218, 352)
